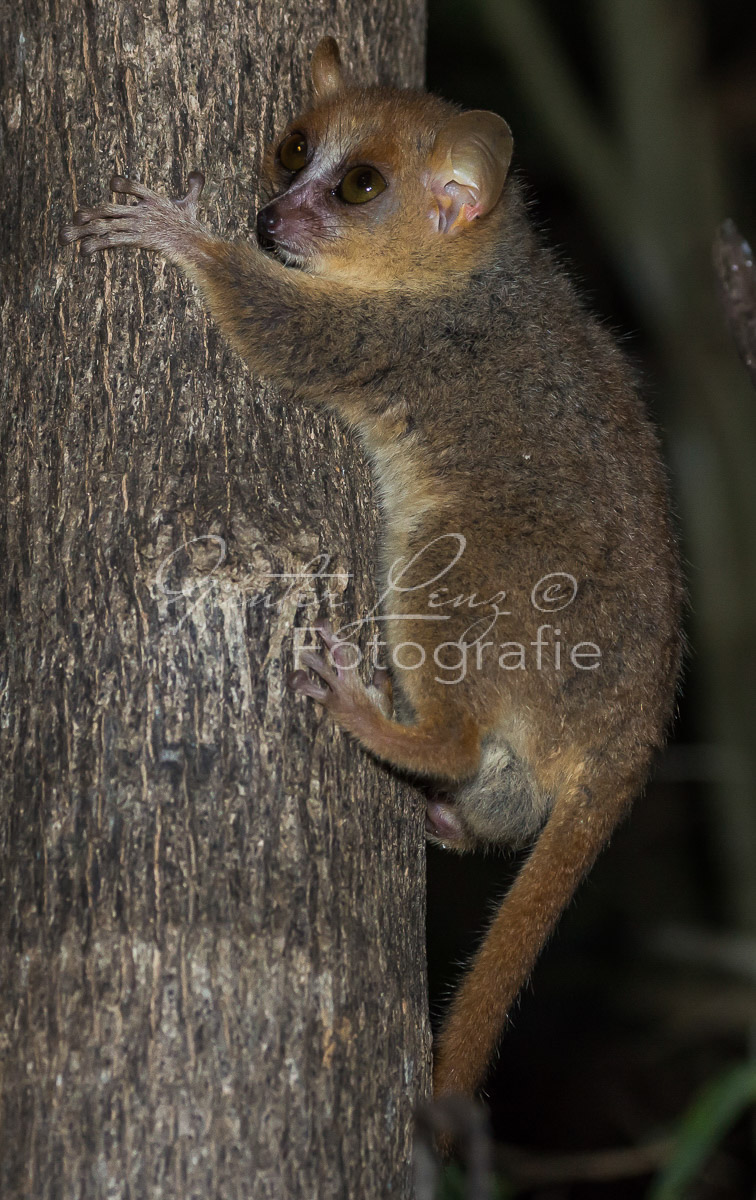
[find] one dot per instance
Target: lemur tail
(580, 824)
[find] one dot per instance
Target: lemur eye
(360, 185)
(292, 153)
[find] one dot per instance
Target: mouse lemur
(529, 570)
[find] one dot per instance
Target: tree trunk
(211, 903)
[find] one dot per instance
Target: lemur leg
(445, 745)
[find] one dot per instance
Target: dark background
(648, 991)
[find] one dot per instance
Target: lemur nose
(268, 223)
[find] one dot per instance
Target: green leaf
(702, 1129)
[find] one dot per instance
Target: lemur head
(375, 184)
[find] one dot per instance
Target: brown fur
(496, 410)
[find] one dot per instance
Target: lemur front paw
(153, 223)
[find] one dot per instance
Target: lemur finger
(343, 653)
(91, 244)
(83, 216)
(299, 681)
(99, 227)
(196, 182)
(319, 666)
(131, 187)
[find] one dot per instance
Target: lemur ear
(327, 76)
(467, 168)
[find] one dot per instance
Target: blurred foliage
(454, 1186)
(703, 1128)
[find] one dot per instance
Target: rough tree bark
(211, 905)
